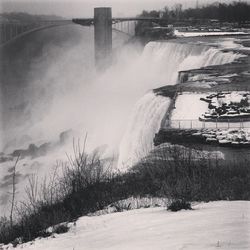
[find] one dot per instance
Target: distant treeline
(234, 12)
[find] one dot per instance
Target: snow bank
(217, 33)
(224, 225)
(189, 106)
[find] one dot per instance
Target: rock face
(229, 137)
(33, 150)
(4, 158)
(225, 106)
(178, 136)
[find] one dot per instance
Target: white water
(168, 58)
(145, 120)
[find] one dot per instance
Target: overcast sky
(84, 8)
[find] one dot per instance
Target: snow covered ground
(189, 108)
(214, 33)
(214, 225)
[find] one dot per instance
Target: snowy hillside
(223, 225)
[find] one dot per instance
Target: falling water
(145, 120)
(166, 59)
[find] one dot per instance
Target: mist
(63, 91)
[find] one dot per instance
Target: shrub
(88, 185)
(181, 173)
(178, 205)
(121, 206)
(61, 228)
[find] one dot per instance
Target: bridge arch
(12, 31)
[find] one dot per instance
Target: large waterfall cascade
(166, 60)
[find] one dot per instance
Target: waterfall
(162, 61)
(57, 89)
(166, 59)
(208, 57)
(63, 79)
(144, 122)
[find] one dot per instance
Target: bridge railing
(197, 124)
(127, 27)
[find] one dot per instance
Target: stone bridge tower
(103, 37)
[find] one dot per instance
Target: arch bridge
(102, 21)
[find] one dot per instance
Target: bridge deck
(11, 30)
(90, 21)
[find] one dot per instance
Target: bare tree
(13, 191)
